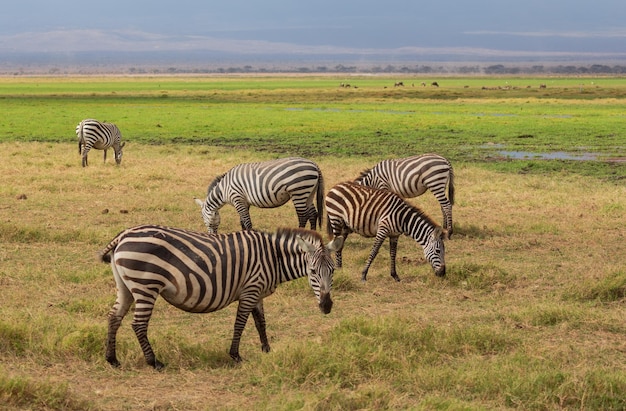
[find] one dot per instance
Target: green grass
(313, 116)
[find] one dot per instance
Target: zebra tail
(80, 137)
(451, 187)
(329, 228)
(105, 254)
(320, 199)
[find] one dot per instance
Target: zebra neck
(290, 261)
(417, 228)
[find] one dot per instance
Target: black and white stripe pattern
(102, 136)
(411, 176)
(371, 212)
(266, 184)
(202, 273)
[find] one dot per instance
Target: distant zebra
(95, 134)
(410, 177)
(266, 184)
(202, 273)
(371, 212)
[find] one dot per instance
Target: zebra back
(362, 209)
(411, 176)
(371, 212)
(266, 185)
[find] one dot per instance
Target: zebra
(410, 177)
(95, 134)
(202, 273)
(266, 184)
(372, 212)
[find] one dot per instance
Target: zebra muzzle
(326, 303)
(441, 271)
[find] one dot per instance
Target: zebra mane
(304, 233)
(363, 174)
(421, 214)
(215, 182)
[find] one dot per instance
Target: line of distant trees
(495, 69)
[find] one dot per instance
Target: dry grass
(531, 314)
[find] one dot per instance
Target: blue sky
(481, 27)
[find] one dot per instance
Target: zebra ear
(335, 244)
(123, 144)
(305, 246)
(199, 202)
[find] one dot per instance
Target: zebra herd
(202, 273)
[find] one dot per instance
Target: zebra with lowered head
(202, 273)
(371, 212)
(411, 176)
(266, 184)
(102, 136)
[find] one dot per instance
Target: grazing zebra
(202, 273)
(371, 212)
(94, 134)
(410, 177)
(266, 184)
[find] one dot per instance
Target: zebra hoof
(395, 277)
(236, 357)
(264, 348)
(114, 362)
(158, 365)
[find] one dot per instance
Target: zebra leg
(393, 250)
(247, 304)
(308, 214)
(259, 321)
(244, 215)
(446, 209)
(105, 155)
(311, 213)
(380, 238)
(86, 149)
(143, 311)
(117, 313)
(338, 253)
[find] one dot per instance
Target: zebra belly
(99, 145)
(410, 191)
(276, 199)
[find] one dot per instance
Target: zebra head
(118, 153)
(210, 216)
(320, 268)
(434, 251)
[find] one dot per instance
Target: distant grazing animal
(95, 134)
(434, 84)
(399, 84)
(371, 212)
(266, 184)
(411, 176)
(202, 273)
(542, 86)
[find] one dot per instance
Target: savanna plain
(530, 315)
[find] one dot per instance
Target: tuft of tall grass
(24, 393)
(611, 288)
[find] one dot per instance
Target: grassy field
(530, 314)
